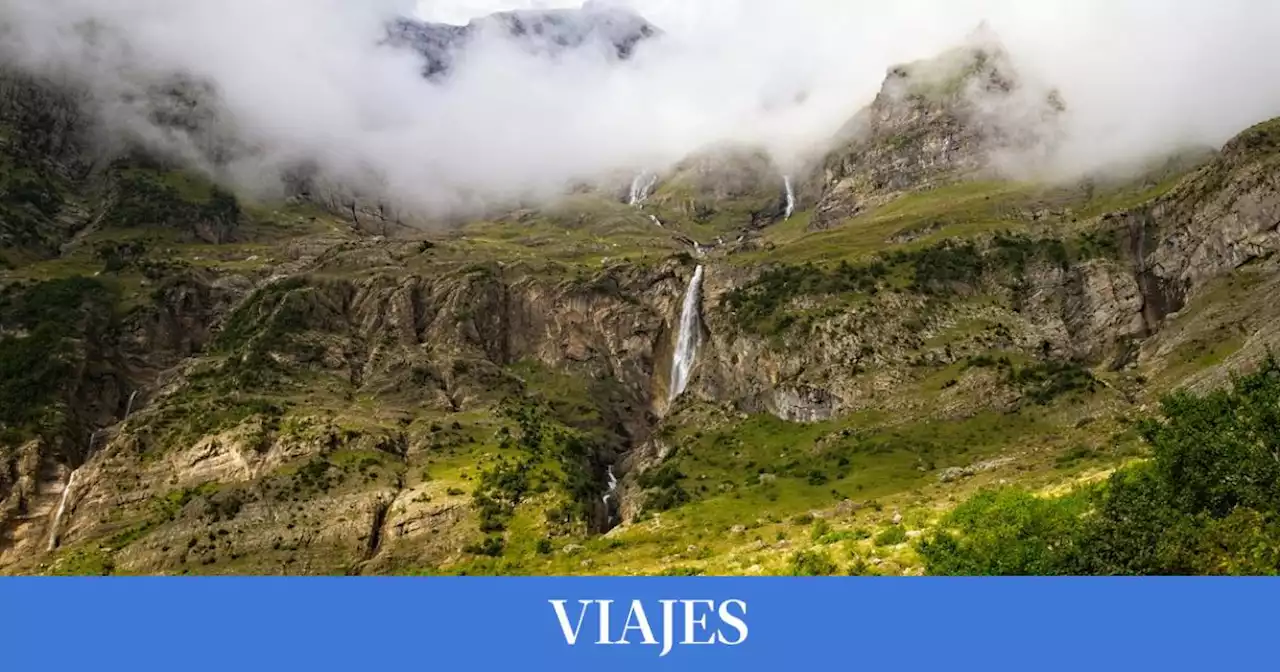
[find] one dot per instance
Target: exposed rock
(957, 473)
(961, 115)
(1217, 220)
(804, 404)
(848, 507)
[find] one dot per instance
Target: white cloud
(304, 78)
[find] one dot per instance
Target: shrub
(663, 489)
(1044, 382)
(811, 563)
(891, 537)
(492, 547)
(1005, 532)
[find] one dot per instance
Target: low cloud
(308, 82)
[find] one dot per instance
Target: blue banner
(248, 624)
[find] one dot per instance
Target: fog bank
(308, 81)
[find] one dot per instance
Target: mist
(307, 81)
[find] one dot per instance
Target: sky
(304, 80)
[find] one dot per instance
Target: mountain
(197, 383)
(950, 118)
(614, 32)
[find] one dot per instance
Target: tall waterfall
(62, 509)
(791, 197)
(687, 340)
(640, 188)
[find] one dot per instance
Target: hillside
(198, 383)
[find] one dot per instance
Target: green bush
(1043, 382)
(1005, 532)
(891, 537)
(492, 547)
(944, 269)
(663, 490)
(1208, 501)
(811, 563)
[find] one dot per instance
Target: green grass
(581, 231)
(818, 465)
(965, 209)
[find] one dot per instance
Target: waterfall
(608, 498)
(791, 197)
(687, 340)
(608, 495)
(640, 188)
(62, 508)
(613, 487)
(128, 410)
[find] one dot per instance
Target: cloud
(306, 80)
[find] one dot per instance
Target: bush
(1044, 382)
(1005, 532)
(891, 537)
(491, 547)
(811, 563)
(663, 489)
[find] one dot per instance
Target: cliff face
(448, 345)
(231, 387)
(958, 116)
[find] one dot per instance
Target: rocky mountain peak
(965, 113)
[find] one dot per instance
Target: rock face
(1221, 218)
(962, 115)
(613, 31)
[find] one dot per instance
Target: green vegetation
(342, 443)
(891, 536)
(765, 464)
(1206, 502)
(34, 361)
(152, 198)
(30, 197)
(663, 489)
(946, 269)
(1040, 382)
(548, 456)
(761, 306)
(812, 563)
